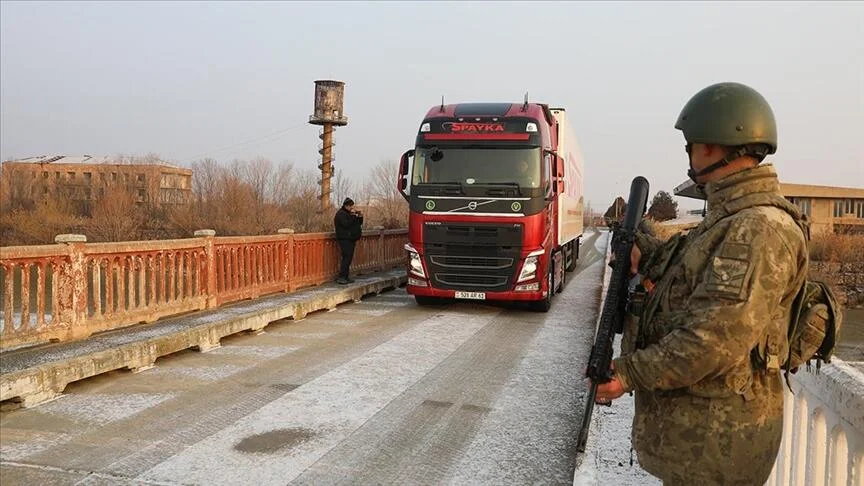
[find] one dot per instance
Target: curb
(587, 473)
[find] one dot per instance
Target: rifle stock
(615, 305)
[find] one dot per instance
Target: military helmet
(729, 114)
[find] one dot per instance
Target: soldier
(712, 334)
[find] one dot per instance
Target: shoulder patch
(727, 275)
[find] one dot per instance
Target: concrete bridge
(227, 382)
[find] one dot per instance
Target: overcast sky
(201, 79)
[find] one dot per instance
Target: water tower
(328, 114)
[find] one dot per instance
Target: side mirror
(402, 182)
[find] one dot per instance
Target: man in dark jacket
(348, 222)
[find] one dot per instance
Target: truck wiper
(506, 184)
(445, 186)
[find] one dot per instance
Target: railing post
(380, 266)
(73, 287)
(210, 289)
(288, 268)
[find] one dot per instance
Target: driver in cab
(527, 177)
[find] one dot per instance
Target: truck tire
(545, 304)
(563, 279)
(425, 300)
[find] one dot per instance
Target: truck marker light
(426, 127)
(531, 127)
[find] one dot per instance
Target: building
(829, 208)
(83, 179)
(832, 209)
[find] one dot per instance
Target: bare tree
(342, 187)
(206, 175)
(386, 205)
(281, 183)
(234, 210)
(39, 224)
(116, 216)
(257, 174)
(19, 187)
(305, 206)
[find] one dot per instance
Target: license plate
(471, 295)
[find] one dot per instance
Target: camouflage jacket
(711, 337)
(722, 290)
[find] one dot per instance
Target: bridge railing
(823, 430)
(73, 289)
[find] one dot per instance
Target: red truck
(496, 203)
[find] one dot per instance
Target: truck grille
(482, 281)
(471, 261)
(471, 256)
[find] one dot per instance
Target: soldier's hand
(635, 255)
(606, 392)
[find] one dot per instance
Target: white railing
(823, 430)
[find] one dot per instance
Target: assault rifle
(615, 306)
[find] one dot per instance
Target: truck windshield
(436, 165)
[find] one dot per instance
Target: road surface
(378, 392)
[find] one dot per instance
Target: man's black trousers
(346, 248)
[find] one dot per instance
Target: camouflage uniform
(709, 391)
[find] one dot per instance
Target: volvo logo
(430, 205)
(516, 206)
(472, 205)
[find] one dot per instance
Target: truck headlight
(529, 268)
(414, 261)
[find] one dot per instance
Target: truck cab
(487, 188)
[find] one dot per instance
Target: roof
(806, 190)
(89, 160)
(503, 110)
(689, 189)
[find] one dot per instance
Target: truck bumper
(510, 295)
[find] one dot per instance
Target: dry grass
(830, 247)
